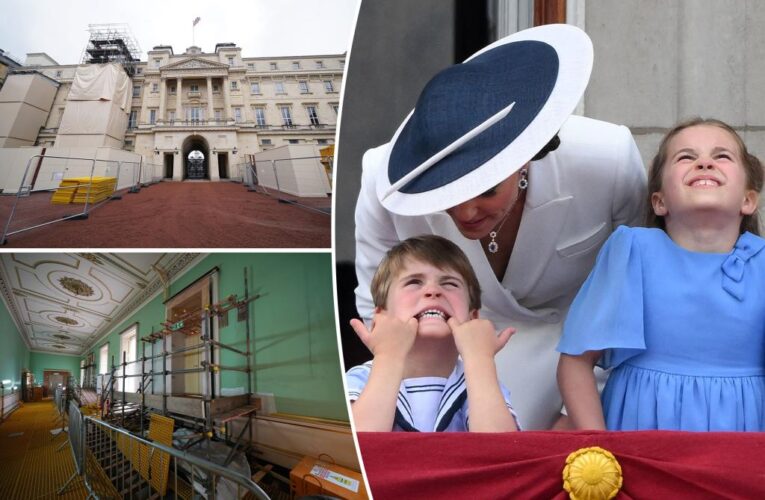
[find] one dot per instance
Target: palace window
(335, 107)
(265, 142)
(155, 87)
(342, 63)
(319, 64)
(129, 349)
(328, 86)
(103, 359)
(303, 86)
(312, 115)
(250, 65)
(254, 87)
(157, 62)
(152, 116)
(273, 66)
(260, 116)
(238, 115)
(172, 90)
(293, 141)
(322, 141)
(296, 65)
(194, 114)
(136, 91)
(218, 115)
(171, 116)
(279, 87)
(234, 85)
(216, 88)
(286, 116)
(58, 74)
(230, 60)
(194, 87)
(133, 120)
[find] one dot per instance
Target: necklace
(523, 183)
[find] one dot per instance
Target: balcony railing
(232, 122)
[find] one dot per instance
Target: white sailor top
(426, 404)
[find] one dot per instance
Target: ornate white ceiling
(63, 302)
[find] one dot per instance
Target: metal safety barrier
(111, 461)
(263, 176)
(32, 207)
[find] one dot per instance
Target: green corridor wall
(40, 361)
(14, 355)
(293, 336)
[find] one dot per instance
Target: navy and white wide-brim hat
(477, 123)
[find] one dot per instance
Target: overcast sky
(259, 27)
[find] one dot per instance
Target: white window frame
(254, 87)
(230, 60)
(136, 91)
(260, 116)
(273, 66)
(304, 89)
(313, 115)
(152, 116)
(286, 114)
(194, 87)
(103, 359)
(155, 87)
(279, 88)
(129, 345)
(133, 118)
(295, 65)
(238, 115)
(329, 86)
(234, 85)
(319, 64)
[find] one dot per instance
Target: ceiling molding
(70, 300)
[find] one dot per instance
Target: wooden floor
(30, 466)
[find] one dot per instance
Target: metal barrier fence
(284, 179)
(133, 467)
(33, 205)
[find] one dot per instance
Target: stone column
(226, 99)
(178, 167)
(210, 109)
(213, 165)
(178, 92)
(162, 93)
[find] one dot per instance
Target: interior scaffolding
(210, 414)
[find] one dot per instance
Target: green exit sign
(176, 326)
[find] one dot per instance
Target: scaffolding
(112, 43)
(208, 413)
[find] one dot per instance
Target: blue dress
(683, 331)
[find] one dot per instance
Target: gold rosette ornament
(592, 474)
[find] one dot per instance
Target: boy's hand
(477, 339)
(390, 337)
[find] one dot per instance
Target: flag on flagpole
(196, 21)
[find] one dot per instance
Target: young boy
(427, 298)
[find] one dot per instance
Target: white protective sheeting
(101, 82)
(93, 117)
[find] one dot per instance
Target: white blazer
(577, 196)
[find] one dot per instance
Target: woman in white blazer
(479, 162)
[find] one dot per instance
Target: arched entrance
(195, 165)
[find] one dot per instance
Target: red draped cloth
(519, 465)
